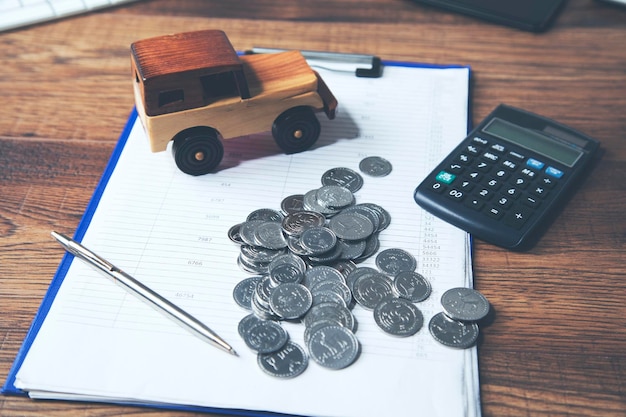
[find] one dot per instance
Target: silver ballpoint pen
(144, 293)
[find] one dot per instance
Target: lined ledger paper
(170, 231)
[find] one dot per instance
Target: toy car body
(193, 88)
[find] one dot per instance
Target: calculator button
(539, 191)
(502, 174)
(463, 158)
(531, 202)
(520, 182)
(517, 216)
(437, 187)
(504, 201)
(494, 212)
(484, 193)
(510, 165)
(455, 168)
(529, 173)
(474, 203)
(480, 141)
(553, 172)
(517, 156)
(445, 177)
(483, 166)
(491, 156)
(472, 149)
(474, 175)
(466, 185)
(493, 184)
(512, 192)
(496, 147)
(456, 194)
(547, 182)
(533, 163)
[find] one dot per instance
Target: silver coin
(351, 226)
(356, 273)
(333, 347)
(398, 317)
(233, 234)
(246, 323)
(394, 260)
(329, 311)
(318, 240)
(367, 211)
(287, 362)
(291, 301)
(335, 286)
(465, 304)
(311, 203)
(334, 197)
(372, 244)
(247, 229)
(334, 254)
(370, 289)
(351, 249)
(295, 223)
(344, 177)
(266, 214)
(375, 166)
(453, 333)
(269, 235)
(285, 273)
(265, 336)
(319, 273)
(292, 203)
(383, 215)
(244, 291)
(326, 296)
(411, 286)
(288, 258)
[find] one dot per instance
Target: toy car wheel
(296, 129)
(197, 151)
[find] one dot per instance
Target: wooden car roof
(207, 51)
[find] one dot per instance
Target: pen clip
(367, 66)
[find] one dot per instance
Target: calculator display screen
(533, 141)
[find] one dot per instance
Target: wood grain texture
(555, 344)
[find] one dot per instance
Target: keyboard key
(517, 217)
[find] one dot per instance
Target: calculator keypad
(502, 184)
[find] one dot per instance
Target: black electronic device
(509, 177)
(530, 15)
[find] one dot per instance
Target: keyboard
(18, 13)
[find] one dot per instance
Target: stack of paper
(170, 231)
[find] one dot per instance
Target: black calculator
(509, 177)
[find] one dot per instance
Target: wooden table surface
(557, 343)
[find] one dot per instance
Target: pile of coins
(456, 326)
(303, 261)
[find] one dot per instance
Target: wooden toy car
(193, 88)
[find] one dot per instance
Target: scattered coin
(291, 301)
(398, 317)
(411, 286)
(333, 347)
(453, 333)
(465, 304)
(288, 362)
(265, 336)
(394, 260)
(375, 166)
(344, 177)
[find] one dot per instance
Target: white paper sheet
(169, 230)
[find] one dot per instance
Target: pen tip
(233, 352)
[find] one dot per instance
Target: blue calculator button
(553, 172)
(533, 163)
(445, 177)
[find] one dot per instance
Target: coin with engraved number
(453, 333)
(398, 317)
(411, 286)
(288, 362)
(465, 304)
(292, 203)
(375, 166)
(333, 347)
(351, 226)
(318, 240)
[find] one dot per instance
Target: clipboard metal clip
(367, 66)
